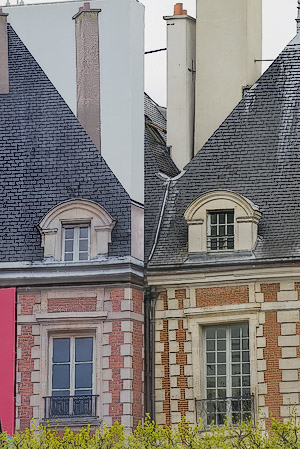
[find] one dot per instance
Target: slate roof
(46, 157)
(157, 161)
(256, 153)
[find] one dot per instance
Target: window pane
(236, 369)
(235, 344)
(230, 243)
(84, 349)
(210, 357)
(83, 375)
(61, 393)
(230, 217)
(245, 330)
(221, 332)
(69, 246)
(210, 332)
(69, 233)
(221, 381)
(213, 231)
(245, 356)
(235, 332)
(222, 218)
(83, 256)
(246, 368)
(83, 245)
(61, 350)
(210, 345)
(61, 376)
(221, 345)
(221, 369)
(246, 344)
(222, 231)
(230, 230)
(213, 218)
(236, 381)
(236, 356)
(221, 357)
(83, 393)
(211, 369)
(211, 382)
(68, 257)
(84, 233)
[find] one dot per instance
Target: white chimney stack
(229, 47)
(4, 75)
(181, 63)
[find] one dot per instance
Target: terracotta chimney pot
(184, 12)
(178, 9)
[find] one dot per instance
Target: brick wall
(219, 296)
(119, 341)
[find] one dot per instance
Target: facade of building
(71, 262)
(223, 270)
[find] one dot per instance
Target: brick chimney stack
(4, 78)
(88, 71)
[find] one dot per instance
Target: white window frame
(217, 237)
(76, 227)
(72, 337)
(228, 356)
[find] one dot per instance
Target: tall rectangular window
(220, 233)
(72, 372)
(76, 243)
(227, 373)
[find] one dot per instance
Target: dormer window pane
(76, 243)
(220, 231)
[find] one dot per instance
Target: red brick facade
(72, 305)
(221, 296)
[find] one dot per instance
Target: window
(221, 221)
(76, 241)
(227, 375)
(72, 363)
(76, 230)
(220, 230)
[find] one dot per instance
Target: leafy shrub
(150, 435)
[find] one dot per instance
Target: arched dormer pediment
(221, 221)
(75, 214)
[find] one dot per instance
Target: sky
(279, 27)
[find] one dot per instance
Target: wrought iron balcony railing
(217, 411)
(70, 407)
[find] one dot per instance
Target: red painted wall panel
(7, 359)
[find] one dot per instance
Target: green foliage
(150, 435)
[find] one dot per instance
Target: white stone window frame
(72, 336)
(199, 321)
(76, 239)
(76, 213)
(77, 326)
(246, 219)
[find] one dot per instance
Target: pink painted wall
(7, 359)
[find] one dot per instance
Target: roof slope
(256, 153)
(47, 158)
(157, 161)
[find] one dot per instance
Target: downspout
(150, 303)
(148, 367)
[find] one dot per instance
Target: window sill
(219, 256)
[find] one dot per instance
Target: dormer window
(220, 235)
(76, 241)
(76, 231)
(221, 221)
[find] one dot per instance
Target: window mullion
(76, 244)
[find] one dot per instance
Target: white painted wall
(228, 40)
(49, 33)
(181, 58)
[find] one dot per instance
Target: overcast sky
(279, 27)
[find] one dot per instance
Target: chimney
(4, 78)
(181, 58)
(229, 45)
(88, 71)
